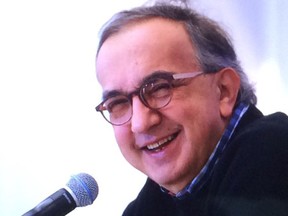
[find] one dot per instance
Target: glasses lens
(117, 110)
(157, 94)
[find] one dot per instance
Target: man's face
(188, 128)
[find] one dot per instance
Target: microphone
(81, 190)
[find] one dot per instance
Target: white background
(49, 129)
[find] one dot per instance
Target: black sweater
(250, 178)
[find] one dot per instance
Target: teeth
(158, 144)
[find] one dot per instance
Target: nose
(143, 117)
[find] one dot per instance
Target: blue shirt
(207, 170)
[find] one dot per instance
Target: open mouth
(161, 143)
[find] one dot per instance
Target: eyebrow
(150, 77)
(157, 74)
(109, 94)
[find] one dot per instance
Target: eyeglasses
(155, 93)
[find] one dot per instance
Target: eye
(117, 105)
(157, 89)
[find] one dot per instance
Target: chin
(165, 181)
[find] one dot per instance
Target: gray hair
(214, 49)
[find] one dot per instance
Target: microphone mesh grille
(84, 187)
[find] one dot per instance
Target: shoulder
(258, 150)
(254, 166)
(267, 132)
(257, 154)
(256, 128)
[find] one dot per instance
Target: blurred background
(49, 129)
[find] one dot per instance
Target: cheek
(201, 110)
(126, 144)
(122, 136)
(198, 114)
(125, 141)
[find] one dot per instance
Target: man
(184, 114)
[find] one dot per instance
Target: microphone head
(84, 188)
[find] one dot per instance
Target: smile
(161, 143)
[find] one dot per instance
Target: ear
(229, 85)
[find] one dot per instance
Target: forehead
(142, 48)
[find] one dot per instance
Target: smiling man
(184, 114)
